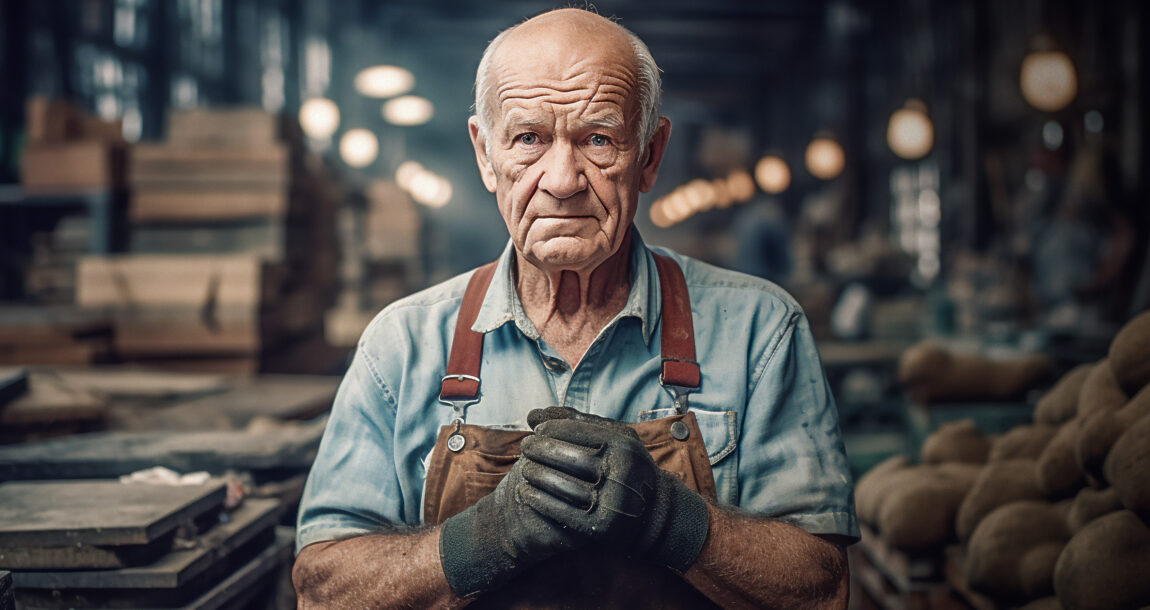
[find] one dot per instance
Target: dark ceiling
(714, 53)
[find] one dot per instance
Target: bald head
(560, 43)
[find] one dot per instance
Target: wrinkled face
(562, 156)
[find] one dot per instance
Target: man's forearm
(395, 570)
(749, 562)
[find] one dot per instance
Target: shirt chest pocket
(720, 439)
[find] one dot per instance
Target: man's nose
(562, 174)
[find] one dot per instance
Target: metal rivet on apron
(455, 441)
(680, 431)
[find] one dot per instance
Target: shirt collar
(501, 304)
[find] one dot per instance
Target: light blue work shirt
(765, 411)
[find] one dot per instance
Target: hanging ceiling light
(1048, 79)
(825, 158)
(773, 174)
(658, 214)
(429, 189)
(740, 185)
(910, 134)
(384, 81)
(358, 147)
(406, 172)
(319, 118)
(408, 110)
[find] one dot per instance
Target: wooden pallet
(217, 567)
(895, 580)
(68, 513)
(7, 596)
(956, 578)
(112, 454)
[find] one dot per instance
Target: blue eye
(528, 138)
(598, 140)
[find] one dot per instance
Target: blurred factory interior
(204, 202)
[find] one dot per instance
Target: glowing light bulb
(358, 147)
(910, 133)
(1048, 80)
(319, 118)
(825, 159)
(408, 110)
(773, 174)
(740, 185)
(406, 172)
(384, 81)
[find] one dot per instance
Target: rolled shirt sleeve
(353, 487)
(792, 463)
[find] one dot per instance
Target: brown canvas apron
(469, 461)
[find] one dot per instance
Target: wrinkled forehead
(552, 73)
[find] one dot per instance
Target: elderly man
(696, 456)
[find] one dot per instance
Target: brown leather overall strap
(462, 379)
(677, 337)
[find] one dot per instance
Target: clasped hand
(589, 474)
(581, 481)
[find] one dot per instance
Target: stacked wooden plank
(53, 335)
(233, 246)
(67, 150)
(44, 405)
(7, 595)
(181, 306)
(108, 454)
(266, 429)
(50, 275)
(83, 544)
(380, 263)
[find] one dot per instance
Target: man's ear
(655, 149)
(479, 143)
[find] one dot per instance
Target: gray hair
(650, 88)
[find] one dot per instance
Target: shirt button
(555, 365)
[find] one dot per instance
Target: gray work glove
(600, 481)
(498, 537)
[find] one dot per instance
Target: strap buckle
(679, 395)
(679, 381)
(460, 378)
(459, 405)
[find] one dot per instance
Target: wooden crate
(393, 226)
(185, 205)
(47, 120)
(166, 165)
(185, 305)
(236, 127)
(265, 237)
(57, 334)
(133, 282)
(54, 121)
(173, 183)
(72, 166)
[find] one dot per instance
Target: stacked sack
(1055, 514)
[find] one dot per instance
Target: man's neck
(570, 308)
